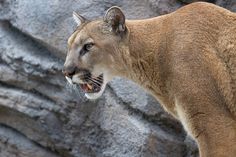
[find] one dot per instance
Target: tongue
(86, 87)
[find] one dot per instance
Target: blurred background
(41, 116)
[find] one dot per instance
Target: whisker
(100, 76)
(85, 74)
(94, 81)
(100, 80)
(74, 90)
(84, 77)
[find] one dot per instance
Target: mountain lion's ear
(116, 19)
(78, 18)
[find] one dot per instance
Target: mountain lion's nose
(68, 71)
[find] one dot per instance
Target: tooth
(89, 86)
(69, 80)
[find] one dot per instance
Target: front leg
(210, 124)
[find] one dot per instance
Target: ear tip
(117, 7)
(78, 18)
(114, 7)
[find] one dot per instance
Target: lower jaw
(93, 96)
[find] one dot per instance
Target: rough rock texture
(41, 116)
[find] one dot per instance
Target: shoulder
(201, 7)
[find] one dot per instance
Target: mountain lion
(185, 59)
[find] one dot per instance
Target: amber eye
(86, 48)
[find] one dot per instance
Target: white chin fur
(93, 96)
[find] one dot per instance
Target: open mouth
(92, 85)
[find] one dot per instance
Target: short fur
(185, 59)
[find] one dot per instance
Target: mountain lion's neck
(147, 47)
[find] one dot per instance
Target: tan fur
(187, 60)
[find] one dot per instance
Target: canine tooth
(69, 80)
(89, 86)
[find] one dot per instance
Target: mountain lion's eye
(86, 48)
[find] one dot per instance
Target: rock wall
(42, 116)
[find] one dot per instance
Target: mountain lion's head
(94, 57)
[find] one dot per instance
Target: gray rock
(14, 144)
(231, 5)
(132, 94)
(191, 1)
(191, 146)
